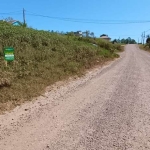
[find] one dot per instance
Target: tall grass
(41, 59)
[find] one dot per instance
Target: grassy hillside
(144, 47)
(42, 58)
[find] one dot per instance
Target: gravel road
(107, 109)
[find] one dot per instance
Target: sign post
(9, 54)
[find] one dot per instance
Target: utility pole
(144, 37)
(24, 19)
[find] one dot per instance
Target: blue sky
(83, 9)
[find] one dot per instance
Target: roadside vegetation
(146, 46)
(43, 58)
(124, 41)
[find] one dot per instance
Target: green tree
(92, 34)
(87, 33)
(148, 40)
(128, 41)
(9, 19)
(114, 41)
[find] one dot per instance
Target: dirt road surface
(108, 109)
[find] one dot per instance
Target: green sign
(9, 53)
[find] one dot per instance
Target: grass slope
(42, 58)
(144, 47)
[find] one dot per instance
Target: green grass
(43, 58)
(144, 47)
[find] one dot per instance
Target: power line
(90, 20)
(128, 21)
(147, 30)
(10, 12)
(81, 20)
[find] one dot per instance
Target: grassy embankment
(42, 58)
(145, 47)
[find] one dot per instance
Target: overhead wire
(92, 21)
(89, 20)
(147, 30)
(11, 12)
